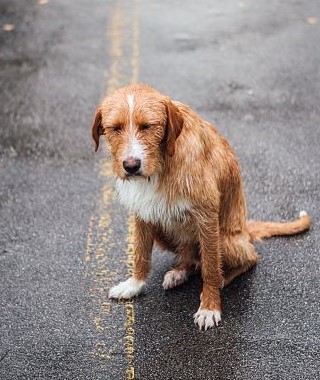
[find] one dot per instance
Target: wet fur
(189, 197)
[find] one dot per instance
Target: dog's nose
(132, 165)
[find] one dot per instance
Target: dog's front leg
(143, 243)
(209, 313)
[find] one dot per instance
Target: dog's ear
(174, 126)
(97, 130)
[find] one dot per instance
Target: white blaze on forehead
(130, 100)
(134, 147)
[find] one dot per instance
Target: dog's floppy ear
(97, 130)
(174, 126)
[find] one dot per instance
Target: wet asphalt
(251, 68)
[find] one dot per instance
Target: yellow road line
(135, 42)
(100, 234)
(129, 341)
(115, 34)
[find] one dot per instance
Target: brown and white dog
(182, 181)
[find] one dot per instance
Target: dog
(182, 181)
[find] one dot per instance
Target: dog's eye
(117, 128)
(144, 127)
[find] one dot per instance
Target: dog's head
(141, 127)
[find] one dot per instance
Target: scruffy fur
(187, 195)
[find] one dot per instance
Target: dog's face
(141, 127)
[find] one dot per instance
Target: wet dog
(183, 183)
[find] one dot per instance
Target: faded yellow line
(115, 34)
(129, 340)
(135, 42)
(100, 235)
(89, 240)
(99, 230)
(96, 259)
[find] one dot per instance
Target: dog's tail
(263, 230)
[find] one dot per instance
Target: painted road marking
(103, 267)
(135, 42)
(129, 307)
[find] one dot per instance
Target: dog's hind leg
(179, 274)
(231, 274)
(239, 255)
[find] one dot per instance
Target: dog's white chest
(141, 196)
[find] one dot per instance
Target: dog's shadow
(165, 320)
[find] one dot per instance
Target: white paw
(303, 213)
(127, 289)
(206, 319)
(174, 278)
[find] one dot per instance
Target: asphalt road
(250, 67)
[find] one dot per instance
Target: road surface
(252, 69)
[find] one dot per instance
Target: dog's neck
(143, 196)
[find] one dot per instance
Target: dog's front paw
(174, 277)
(127, 289)
(206, 319)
